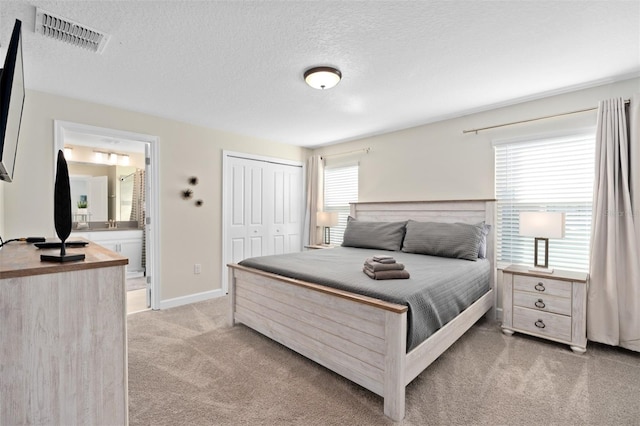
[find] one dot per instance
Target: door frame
(153, 203)
(225, 194)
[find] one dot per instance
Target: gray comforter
(438, 290)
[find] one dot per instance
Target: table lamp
(542, 226)
(327, 220)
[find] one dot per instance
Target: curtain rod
(365, 150)
(532, 119)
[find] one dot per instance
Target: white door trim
(225, 193)
(153, 237)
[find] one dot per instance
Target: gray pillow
(374, 235)
(457, 240)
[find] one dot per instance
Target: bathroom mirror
(107, 189)
(111, 183)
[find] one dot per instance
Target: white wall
(189, 234)
(437, 161)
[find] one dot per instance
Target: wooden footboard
(360, 338)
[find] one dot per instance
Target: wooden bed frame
(358, 337)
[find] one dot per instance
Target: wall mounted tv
(11, 103)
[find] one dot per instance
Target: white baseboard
(191, 298)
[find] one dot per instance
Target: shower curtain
(138, 209)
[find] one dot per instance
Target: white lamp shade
(542, 224)
(328, 219)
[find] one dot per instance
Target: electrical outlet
(197, 268)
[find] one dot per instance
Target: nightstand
(318, 246)
(551, 306)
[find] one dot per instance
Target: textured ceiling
(237, 66)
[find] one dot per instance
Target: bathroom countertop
(105, 229)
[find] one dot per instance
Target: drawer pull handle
(540, 287)
(540, 304)
(540, 324)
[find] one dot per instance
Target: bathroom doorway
(128, 164)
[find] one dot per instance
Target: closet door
(263, 209)
(285, 227)
(247, 228)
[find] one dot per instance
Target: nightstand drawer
(542, 286)
(542, 302)
(544, 323)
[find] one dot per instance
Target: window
(340, 189)
(546, 175)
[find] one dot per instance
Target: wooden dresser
(63, 339)
(552, 306)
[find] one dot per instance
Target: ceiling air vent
(63, 29)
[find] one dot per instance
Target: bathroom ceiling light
(322, 77)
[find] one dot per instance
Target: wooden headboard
(450, 211)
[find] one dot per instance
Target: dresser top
(556, 275)
(19, 259)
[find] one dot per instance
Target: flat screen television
(11, 103)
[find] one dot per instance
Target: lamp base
(536, 263)
(327, 236)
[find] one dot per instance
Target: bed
(364, 338)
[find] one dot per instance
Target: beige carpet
(186, 367)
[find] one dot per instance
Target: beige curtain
(634, 153)
(315, 199)
(613, 306)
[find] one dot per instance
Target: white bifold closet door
(263, 209)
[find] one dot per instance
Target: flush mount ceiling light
(322, 77)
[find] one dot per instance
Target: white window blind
(340, 189)
(553, 175)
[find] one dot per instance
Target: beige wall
(437, 161)
(434, 161)
(188, 234)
